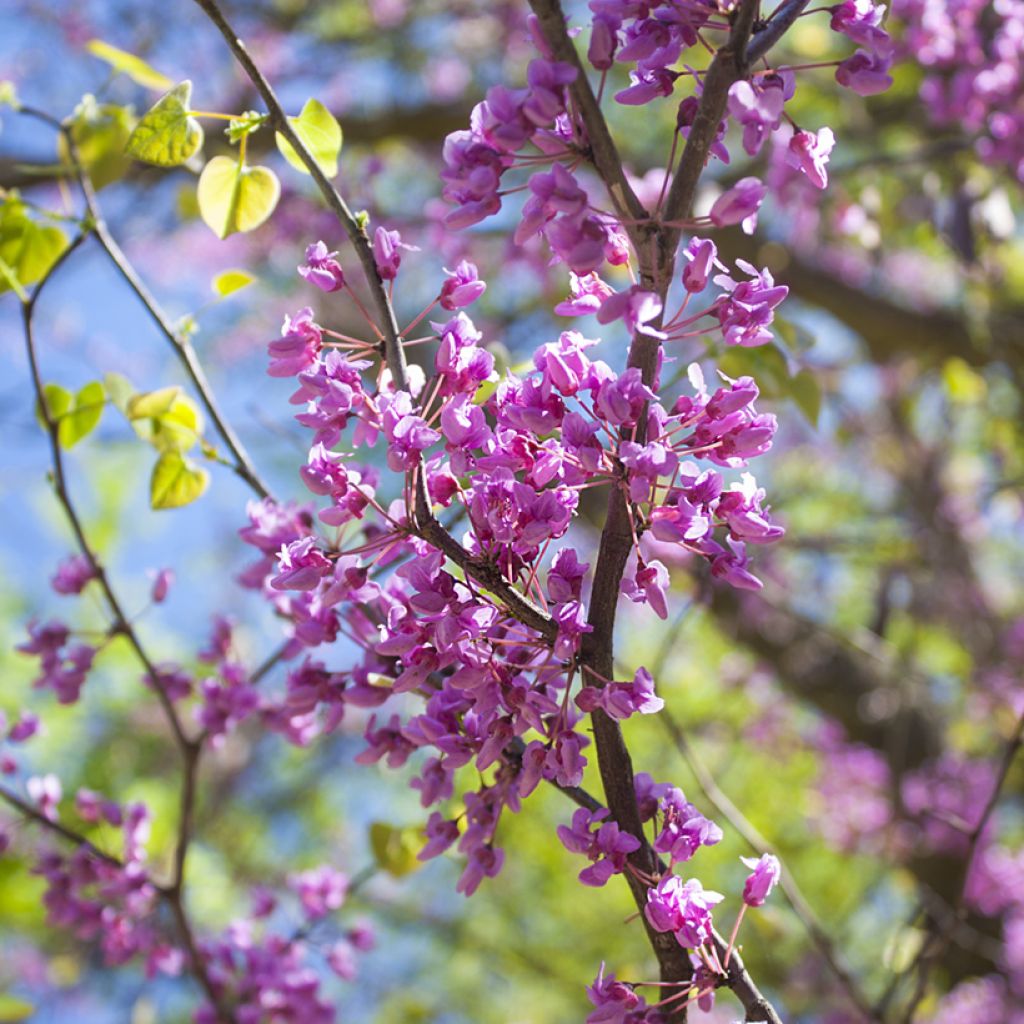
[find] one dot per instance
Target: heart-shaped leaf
(320, 132)
(176, 481)
(167, 135)
(81, 418)
(235, 197)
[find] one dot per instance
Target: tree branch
(423, 523)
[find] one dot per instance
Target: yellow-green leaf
(167, 136)
(320, 132)
(176, 481)
(13, 1009)
(27, 249)
(58, 401)
(234, 197)
(230, 281)
(120, 390)
(128, 64)
(101, 134)
(179, 427)
(81, 418)
(152, 404)
(395, 849)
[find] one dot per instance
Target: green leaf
(58, 401)
(230, 281)
(101, 134)
(176, 481)
(179, 428)
(245, 124)
(128, 64)
(28, 249)
(14, 1009)
(81, 418)
(320, 132)
(167, 136)
(805, 391)
(120, 390)
(234, 197)
(395, 849)
(152, 404)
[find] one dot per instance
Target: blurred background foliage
(885, 636)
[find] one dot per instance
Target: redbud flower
(322, 268)
(163, 579)
(683, 908)
(72, 575)
(739, 204)
(386, 254)
(759, 885)
(809, 153)
(462, 288)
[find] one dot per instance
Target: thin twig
(423, 522)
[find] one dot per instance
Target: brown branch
(26, 810)
(121, 625)
(602, 150)
(423, 522)
(760, 845)
(939, 941)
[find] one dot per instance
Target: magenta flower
(683, 908)
(809, 152)
(72, 575)
(298, 347)
(739, 204)
(322, 268)
(387, 246)
(766, 872)
(462, 288)
(320, 890)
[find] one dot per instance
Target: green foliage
(321, 134)
(27, 249)
(128, 64)
(176, 481)
(244, 125)
(100, 133)
(235, 197)
(167, 135)
(81, 415)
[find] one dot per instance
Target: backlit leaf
(320, 132)
(167, 135)
(235, 197)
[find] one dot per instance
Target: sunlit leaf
(320, 132)
(100, 134)
(179, 427)
(58, 401)
(84, 414)
(27, 249)
(167, 136)
(230, 281)
(235, 197)
(176, 481)
(128, 64)
(152, 404)
(120, 390)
